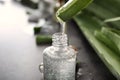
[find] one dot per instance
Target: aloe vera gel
(59, 59)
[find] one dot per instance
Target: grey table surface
(20, 56)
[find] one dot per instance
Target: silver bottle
(59, 60)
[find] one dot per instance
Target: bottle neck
(60, 40)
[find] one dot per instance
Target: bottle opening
(59, 39)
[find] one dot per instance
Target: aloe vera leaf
(37, 30)
(71, 8)
(111, 60)
(42, 39)
(112, 19)
(100, 11)
(103, 13)
(106, 41)
(111, 5)
(112, 36)
(116, 31)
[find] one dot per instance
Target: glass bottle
(59, 60)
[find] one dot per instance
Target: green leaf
(107, 41)
(88, 26)
(43, 39)
(115, 38)
(71, 8)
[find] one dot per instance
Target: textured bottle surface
(58, 68)
(59, 60)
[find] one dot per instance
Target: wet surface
(20, 57)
